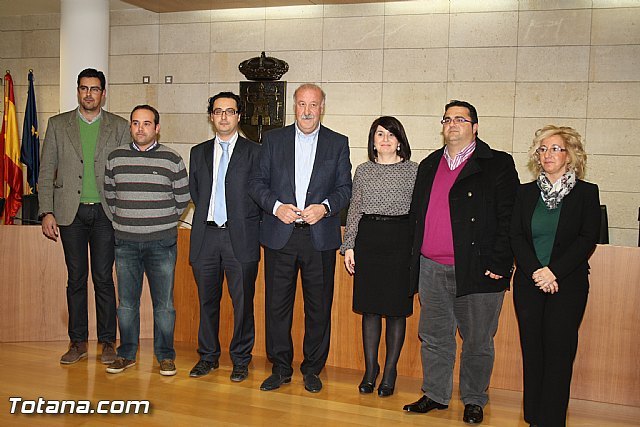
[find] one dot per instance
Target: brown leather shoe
(76, 352)
(108, 353)
(120, 364)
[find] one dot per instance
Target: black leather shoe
(367, 386)
(312, 383)
(274, 381)
(239, 373)
(472, 414)
(202, 368)
(385, 390)
(424, 405)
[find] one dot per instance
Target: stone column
(84, 43)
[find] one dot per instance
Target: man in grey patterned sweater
(146, 189)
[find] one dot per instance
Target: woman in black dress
(377, 245)
(554, 230)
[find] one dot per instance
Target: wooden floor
(31, 370)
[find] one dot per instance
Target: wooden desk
(34, 309)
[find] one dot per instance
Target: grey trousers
(441, 314)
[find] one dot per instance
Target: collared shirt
(305, 155)
(217, 155)
(306, 146)
(463, 155)
(87, 121)
(151, 147)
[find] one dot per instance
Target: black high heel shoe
(386, 388)
(367, 387)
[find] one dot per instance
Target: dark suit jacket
(61, 163)
(576, 236)
(243, 214)
(480, 201)
(275, 180)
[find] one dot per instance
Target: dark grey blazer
(275, 180)
(242, 212)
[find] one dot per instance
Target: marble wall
(523, 64)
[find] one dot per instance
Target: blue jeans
(475, 316)
(157, 259)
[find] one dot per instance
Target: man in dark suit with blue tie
(302, 183)
(224, 235)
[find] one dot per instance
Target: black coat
(243, 213)
(576, 236)
(480, 203)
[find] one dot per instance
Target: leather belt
(213, 224)
(301, 225)
(90, 203)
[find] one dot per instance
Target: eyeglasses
(456, 120)
(228, 112)
(555, 149)
(93, 89)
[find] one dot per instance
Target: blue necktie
(220, 206)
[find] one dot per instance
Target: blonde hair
(572, 142)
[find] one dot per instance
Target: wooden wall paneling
(33, 286)
(606, 368)
(33, 289)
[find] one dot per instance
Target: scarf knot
(552, 194)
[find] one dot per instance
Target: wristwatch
(327, 209)
(43, 214)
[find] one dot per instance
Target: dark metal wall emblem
(264, 98)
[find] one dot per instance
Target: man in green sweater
(72, 206)
(147, 189)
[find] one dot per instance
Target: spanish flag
(10, 145)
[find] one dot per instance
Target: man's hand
(349, 261)
(288, 213)
(313, 213)
(50, 227)
(492, 275)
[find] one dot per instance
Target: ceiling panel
(38, 7)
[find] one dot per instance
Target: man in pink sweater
(462, 261)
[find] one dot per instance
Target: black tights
(371, 332)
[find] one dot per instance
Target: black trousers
(90, 229)
(549, 338)
(216, 258)
(281, 272)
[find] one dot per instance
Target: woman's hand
(349, 261)
(545, 280)
(552, 288)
